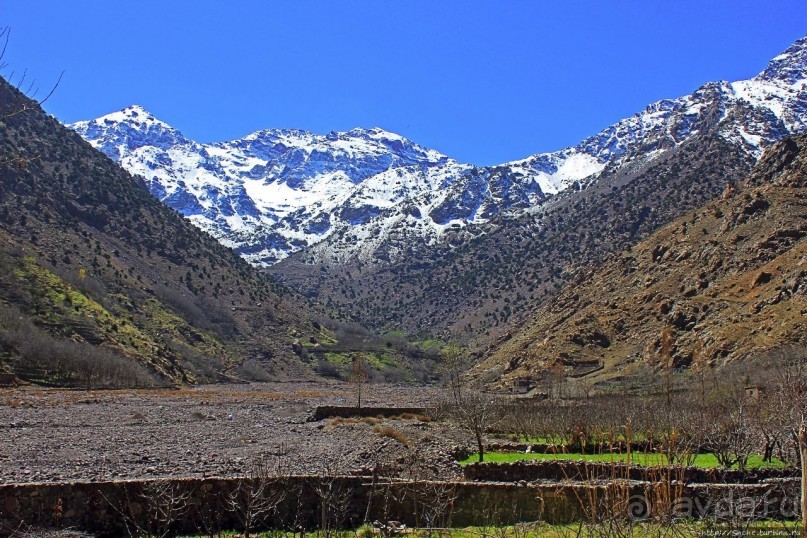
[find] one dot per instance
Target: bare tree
(28, 89)
(666, 360)
(730, 434)
(256, 497)
(455, 361)
(358, 375)
(678, 428)
(334, 502)
(557, 375)
(803, 458)
(765, 423)
(474, 412)
(787, 402)
(700, 366)
(413, 480)
(209, 514)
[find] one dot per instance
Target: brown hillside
(102, 284)
(721, 283)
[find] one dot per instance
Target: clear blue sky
(484, 82)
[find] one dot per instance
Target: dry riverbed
(51, 435)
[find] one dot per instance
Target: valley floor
(53, 435)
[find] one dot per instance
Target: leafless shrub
(154, 509)
(80, 280)
(434, 503)
(206, 366)
(615, 506)
(327, 369)
(209, 514)
(334, 502)
(74, 363)
(255, 498)
(202, 312)
(411, 480)
(43, 357)
(251, 369)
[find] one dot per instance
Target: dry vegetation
(722, 283)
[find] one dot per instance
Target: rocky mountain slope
(275, 192)
(103, 284)
(484, 278)
(479, 279)
(403, 237)
(720, 283)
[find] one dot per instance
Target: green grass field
(707, 461)
(572, 530)
(635, 530)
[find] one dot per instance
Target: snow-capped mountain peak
(789, 67)
(277, 191)
(119, 133)
(273, 191)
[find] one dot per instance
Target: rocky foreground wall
(343, 411)
(198, 505)
(208, 505)
(580, 471)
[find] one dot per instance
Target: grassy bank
(706, 461)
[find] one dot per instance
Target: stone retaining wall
(548, 448)
(583, 471)
(8, 380)
(202, 505)
(107, 508)
(344, 411)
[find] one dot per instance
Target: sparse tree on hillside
(700, 366)
(29, 90)
(455, 361)
(358, 375)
